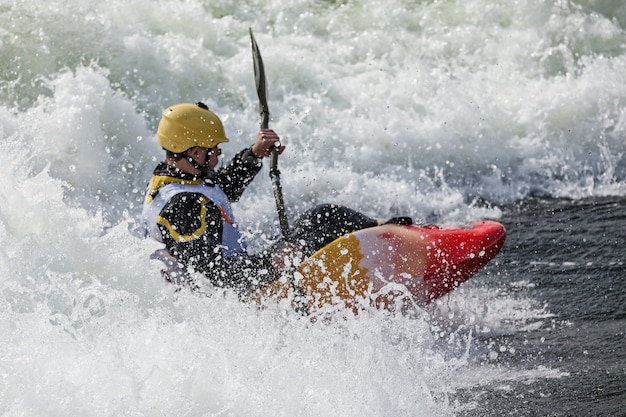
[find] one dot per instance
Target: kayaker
(188, 205)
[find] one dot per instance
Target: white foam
(435, 110)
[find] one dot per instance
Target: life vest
(233, 243)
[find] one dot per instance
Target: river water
(446, 111)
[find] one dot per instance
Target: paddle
(261, 89)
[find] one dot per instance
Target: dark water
(572, 255)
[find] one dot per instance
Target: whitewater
(447, 111)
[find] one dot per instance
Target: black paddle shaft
(261, 89)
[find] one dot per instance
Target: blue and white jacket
(193, 217)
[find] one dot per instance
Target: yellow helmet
(186, 125)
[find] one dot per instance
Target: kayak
(391, 265)
(385, 266)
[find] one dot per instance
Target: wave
(445, 111)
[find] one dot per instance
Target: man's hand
(265, 141)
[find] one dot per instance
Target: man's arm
(240, 171)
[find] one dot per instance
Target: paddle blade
(261, 85)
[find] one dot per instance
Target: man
(188, 205)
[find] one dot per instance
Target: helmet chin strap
(204, 169)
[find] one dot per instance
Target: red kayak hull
(383, 265)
